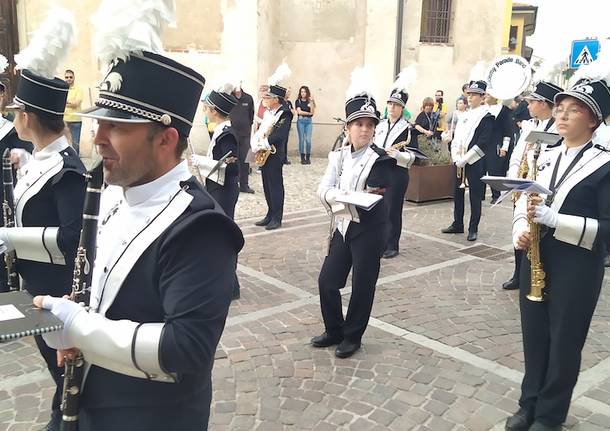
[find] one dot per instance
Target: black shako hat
(149, 87)
(41, 95)
(593, 93)
(222, 102)
(399, 96)
(277, 91)
(479, 87)
(544, 91)
(362, 106)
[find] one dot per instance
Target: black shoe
(307, 159)
(263, 222)
(493, 200)
(326, 340)
(287, 162)
(346, 349)
(54, 423)
(538, 426)
(246, 190)
(389, 254)
(520, 421)
(472, 236)
(303, 162)
(607, 261)
(273, 225)
(512, 284)
(453, 229)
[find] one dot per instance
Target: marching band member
(540, 107)
(470, 144)
(49, 196)
(271, 136)
(221, 180)
(501, 136)
(574, 223)
(166, 252)
(390, 133)
(357, 236)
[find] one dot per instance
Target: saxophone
(8, 214)
(81, 291)
(461, 172)
(262, 154)
(537, 274)
(523, 171)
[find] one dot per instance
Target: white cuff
(520, 225)
(473, 155)
(37, 243)
(205, 165)
(404, 158)
(576, 230)
(329, 200)
(122, 346)
(505, 143)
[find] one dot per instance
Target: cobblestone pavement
(442, 352)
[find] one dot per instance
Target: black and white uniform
(501, 137)
(357, 240)
(223, 184)
(273, 180)
(471, 140)
(387, 135)
(554, 331)
(49, 201)
(9, 140)
(161, 289)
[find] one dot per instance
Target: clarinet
(8, 214)
(81, 292)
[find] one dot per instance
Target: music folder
(20, 318)
(363, 200)
(521, 185)
(537, 136)
(419, 154)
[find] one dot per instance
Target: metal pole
(400, 5)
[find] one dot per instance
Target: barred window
(435, 18)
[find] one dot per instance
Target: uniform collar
(571, 152)
(56, 146)
(165, 184)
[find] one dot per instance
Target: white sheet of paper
(10, 312)
(360, 199)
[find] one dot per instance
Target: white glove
(196, 160)
(461, 162)
(4, 237)
(546, 216)
(66, 311)
(19, 157)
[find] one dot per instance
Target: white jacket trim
(37, 243)
(576, 230)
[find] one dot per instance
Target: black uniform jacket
(279, 134)
(483, 139)
(183, 279)
(225, 142)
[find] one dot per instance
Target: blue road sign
(583, 52)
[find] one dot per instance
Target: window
(512, 38)
(435, 19)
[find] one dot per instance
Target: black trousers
(395, 198)
(226, 196)
(273, 185)
(554, 331)
(496, 166)
(50, 357)
(243, 146)
(285, 146)
(361, 253)
(476, 192)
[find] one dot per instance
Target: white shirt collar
(167, 183)
(573, 151)
(56, 146)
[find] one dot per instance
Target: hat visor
(475, 91)
(397, 101)
(362, 114)
(15, 106)
(578, 95)
(100, 113)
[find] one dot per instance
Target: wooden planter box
(430, 183)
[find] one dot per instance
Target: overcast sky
(561, 21)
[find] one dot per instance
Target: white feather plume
(477, 73)
(599, 69)
(126, 26)
(361, 83)
(50, 44)
(406, 78)
(226, 87)
(281, 73)
(3, 63)
(549, 70)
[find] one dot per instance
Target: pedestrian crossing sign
(583, 52)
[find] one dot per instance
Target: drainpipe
(398, 44)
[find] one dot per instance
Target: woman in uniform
(574, 226)
(357, 236)
(391, 133)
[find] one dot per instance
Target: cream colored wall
(321, 41)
